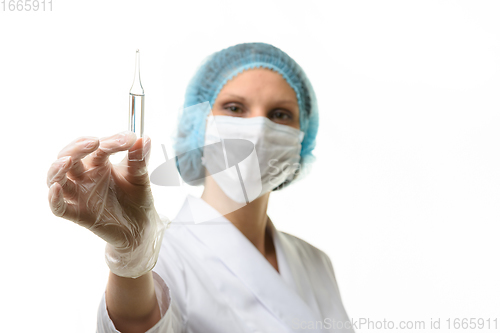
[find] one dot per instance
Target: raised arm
(115, 202)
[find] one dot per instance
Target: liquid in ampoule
(136, 102)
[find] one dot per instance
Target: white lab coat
(210, 278)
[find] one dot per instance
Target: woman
(220, 265)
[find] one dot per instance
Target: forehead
(262, 81)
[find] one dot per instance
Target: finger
(140, 151)
(110, 145)
(57, 174)
(137, 161)
(77, 150)
(59, 166)
(59, 206)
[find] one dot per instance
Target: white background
(405, 194)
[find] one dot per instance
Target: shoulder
(315, 262)
(306, 250)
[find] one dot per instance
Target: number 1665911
(26, 5)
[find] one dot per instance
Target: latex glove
(113, 201)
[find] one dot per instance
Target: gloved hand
(113, 201)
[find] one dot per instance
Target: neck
(251, 219)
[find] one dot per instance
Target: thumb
(137, 161)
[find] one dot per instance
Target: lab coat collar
(248, 264)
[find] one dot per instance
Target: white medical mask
(248, 157)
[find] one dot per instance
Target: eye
(233, 109)
(280, 115)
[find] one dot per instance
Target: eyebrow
(235, 96)
(287, 101)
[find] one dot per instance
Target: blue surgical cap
(213, 73)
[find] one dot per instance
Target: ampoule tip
(137, 86)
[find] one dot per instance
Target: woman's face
(259, 92)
